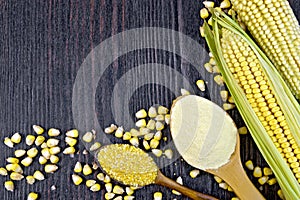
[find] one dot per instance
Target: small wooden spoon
(204, 135)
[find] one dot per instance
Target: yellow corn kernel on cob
(276, 29)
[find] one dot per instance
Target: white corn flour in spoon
(203, 133)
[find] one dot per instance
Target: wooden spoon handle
(165, 181)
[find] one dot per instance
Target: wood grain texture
(42, 46)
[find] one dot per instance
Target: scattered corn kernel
(158, 135)
(108, 187)
(95, 188)
(90, 183)
(119, 132)
(144, 130)
(110, 129)
(157, 152)
(118, 189)
(267, 171)
(32, 152)
(272, 181)
(52, 142)
(95, 146)
(157, 196)
(149, 136)
(55, 150)
(249, 164)
(218, 179)
(54, 159)
(280, 194)
(16, 138)
(16, 176)
(127, 136)
(134, 132)
(184, 92)
(209, 22)
(46, 153)
(209, 4)
(229, 188)
(72, 133)
(53, 132)
(88, 137)
(208, 67)
(141, 114)
(69, 150)
(109, 195)
(167, 118)
(228, 106)
(76, 179)
(154, 143)
(26, 161)
(194, 173)
(179, 180)
(235, 198)
(19, 153)
(9, 186)
(53, 187)
(38, 129)
(225, 4)
(140, 123)
(146, 145)
(44, 145)
(243, 130)
(162, 110)
(128, 197)
(39, 140)
(42, 160)
(224, 95)
(152, 112)
(7, 141)
(78, 167)
(106, 179)
(100, 177)
(223, 185)
(32, 196)
(257, 172)
(87, 170)
(230, 99)
(14, 167)
(262, 180)
(134, 141)
(204, 13)
(201, 30)
(3, 171)
(30, 179)
(159, 126)
(129, 191)
(219, 80)
(38, 175)
(71, 141)
(12, 160)
(118, 198)
(200, 84)
(176, 192)
(168, 153)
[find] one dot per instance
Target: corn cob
(265, 102)
(275, 27)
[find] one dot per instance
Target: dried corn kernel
(149, 136)
(118, 189)
(76, 179)
(100, 176)
(158, 135)
(159, 126)
(209, 4)
(154, 143)
(141, 114)
(229, 188)
(54, 150)
(78, 167)
(3, 171)
(262, 180)
(127, 136)
(95, 146)
(32, 196)
(69, 150)
(272, 181)
(201, 85)
(157, 196)
(38, 175)
(224, 95)
(267, 171)
(118, 198)
(167, 118)
(119, 132)
(140, 123)
(280, 194)
(95, 188)
(44, 145)
(176, 192)
(108, 187)
(257, 172)
(218, 179)
(53, 132)
(88, 137)
(228, 106)
(194, 173)
(162, 110)
(39, 140)
(157, 152)
(52, 142)
(71, 141)
(249, 164)
(184, 92)
(106, 179)
(109, 195)
(223, 185)
(152, 112)
(26, 161)
(20, 153)
(46, 153)
(134, 132)
(42, 160)
(7, 141)
(9, 186)
(32, 152)
(90, 183)
(146, 145)
(87, 170)
(30, 179)
(128, 197)
(110, 129)
(225, 4)
(243, 130)
(16, 138)
(38, 129)
(16, 176)
(219, 80)
(134, 141)
(129, 191)
(72, 133)
(14, 167)
(144, 130)
(54, 159)
(168, 153)
(12, 160)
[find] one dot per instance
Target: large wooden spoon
(207, 138)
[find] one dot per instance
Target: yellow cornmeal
(128, 164)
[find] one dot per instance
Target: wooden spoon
(202, 128)
(132, 166)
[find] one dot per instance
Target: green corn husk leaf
(289, 105)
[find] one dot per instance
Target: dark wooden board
(43, 45)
